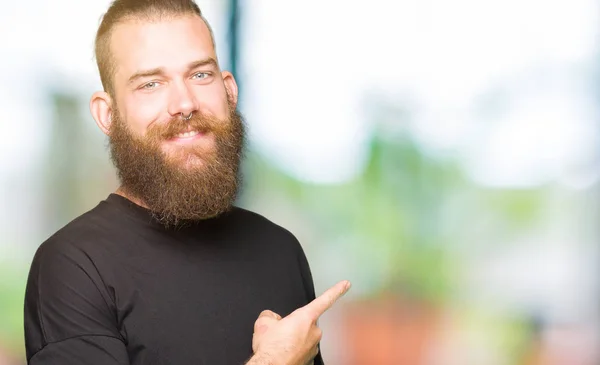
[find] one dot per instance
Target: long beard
(189, 184)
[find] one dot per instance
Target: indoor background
(444, 156)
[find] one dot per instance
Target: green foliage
(407, 211)
(12, 293)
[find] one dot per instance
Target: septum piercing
(188, 117)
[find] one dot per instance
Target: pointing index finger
(322, 303)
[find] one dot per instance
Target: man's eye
(150, 85)
(200, 75)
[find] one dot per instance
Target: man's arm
(69, 314)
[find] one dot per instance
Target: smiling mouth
(184, 135)
(188, 134)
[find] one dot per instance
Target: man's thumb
(265, 319)
(268, 313)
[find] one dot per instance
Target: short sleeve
(69, 314)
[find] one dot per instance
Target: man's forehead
(169, 42)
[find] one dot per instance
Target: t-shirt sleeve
(309, 288)
(69, 314)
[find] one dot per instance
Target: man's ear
(230, 86)
(101, 109)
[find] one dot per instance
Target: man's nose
(183, 103)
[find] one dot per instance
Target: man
(166, 270)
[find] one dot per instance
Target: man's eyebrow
(159, 71)
(145, 73)
(205, 62)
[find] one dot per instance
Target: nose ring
(188, 117)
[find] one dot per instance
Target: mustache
(176, 125)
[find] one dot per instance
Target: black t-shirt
(114, 287)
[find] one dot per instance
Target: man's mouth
(189, 134)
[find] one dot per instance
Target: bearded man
(167, 270)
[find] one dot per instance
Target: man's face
(165, 69)
(181, 169)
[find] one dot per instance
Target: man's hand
(292, 340)
(265, 320)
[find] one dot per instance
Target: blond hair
(121, 11)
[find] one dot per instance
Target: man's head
(158, 65)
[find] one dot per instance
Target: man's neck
(120, 191)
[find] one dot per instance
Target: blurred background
(442, 155)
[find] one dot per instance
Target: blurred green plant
(405, 225)
(13, 278)
(407, 215)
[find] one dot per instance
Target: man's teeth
(187, 134)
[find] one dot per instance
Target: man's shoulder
(260, 225)
(258, 220)
(82, 231)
